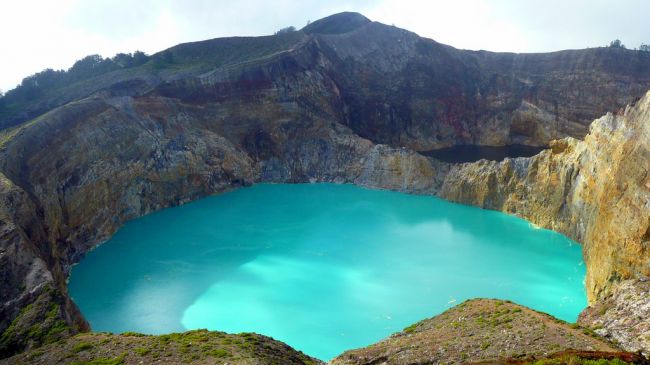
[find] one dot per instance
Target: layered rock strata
(344, 103)
(596, 191)
(88, 167)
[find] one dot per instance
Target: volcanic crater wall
(349, 107)
(596, 191)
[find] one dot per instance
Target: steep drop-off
(596, 191)
(345, 100)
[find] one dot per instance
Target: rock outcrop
(622, 317)
(34, 309)
(345, 100)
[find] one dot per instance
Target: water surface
(322, 267)
(472, 153)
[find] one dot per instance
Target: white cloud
(471, 24)
(521, 26)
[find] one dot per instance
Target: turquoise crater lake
(322, 267)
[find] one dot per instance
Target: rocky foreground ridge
(340, 101)
(475, 331)
(193, 347)
(479, 330)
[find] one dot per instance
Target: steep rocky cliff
(91, 165)
(345, 100)
(596, 191)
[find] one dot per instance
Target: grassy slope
(193, 347)
(483, 331)
(478, 330)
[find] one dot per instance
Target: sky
(39, 34)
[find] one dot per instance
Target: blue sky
(38, 34)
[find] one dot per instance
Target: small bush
(133, 334)
(219, 353)
(410, 329)
(83, 346)
(101, 361)
(142, 351)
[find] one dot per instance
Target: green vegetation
(82, 346)
(576, 360)
(38, 323)
(200, 346)
(102, 361)
(286, 30)
(616, 43)
(36, 85)
(411, 328)
(219, 353)
(496, 317)
(42, 85)
(142, 351)
(48, 89)
(486, 329)
(133, 334)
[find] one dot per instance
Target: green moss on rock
(38, 323)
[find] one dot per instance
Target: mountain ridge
(337, 23)
(193, 58)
